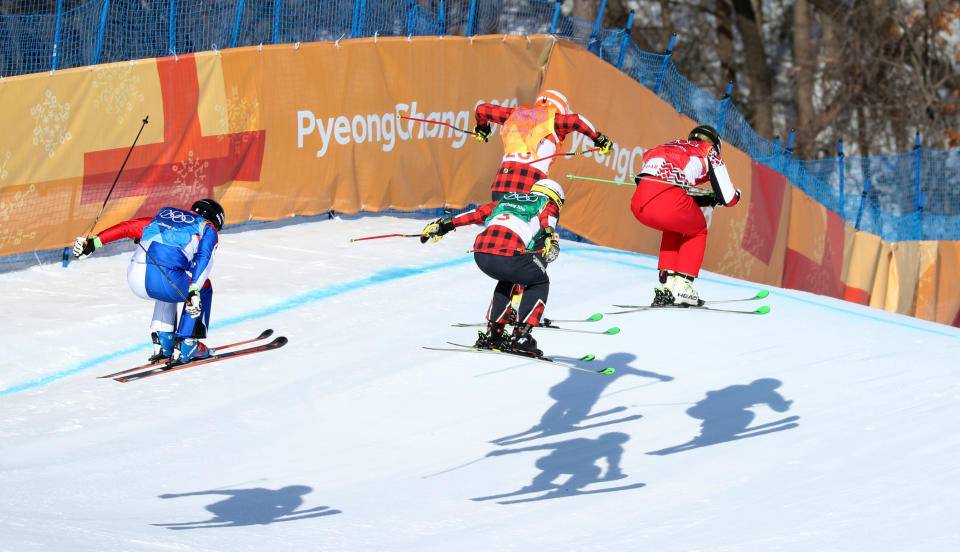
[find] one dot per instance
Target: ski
(759, 295)
(165, 369)
(764, 309)
(608, 331)
(265, 334)
(591, 318)
(551, 360)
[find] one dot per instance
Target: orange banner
(301, 129)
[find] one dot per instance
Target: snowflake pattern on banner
(51, 123)
(118, 91)
(237, 117)
(736, 259)
(191, 178)
(17, 236)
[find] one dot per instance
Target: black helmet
(706, 133)
(210, 210)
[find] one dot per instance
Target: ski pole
(386, 236)
(695, 189)
(571, 154)
(522, 250)
(399, 116)
(117, 178)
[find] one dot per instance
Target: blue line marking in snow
(384, 276)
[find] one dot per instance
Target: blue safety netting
(907, 196)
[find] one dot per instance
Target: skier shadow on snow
(257, 506)
(576, 457)
(726, 415)
(576, 396)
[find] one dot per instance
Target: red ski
(265, 334)
(165, 369)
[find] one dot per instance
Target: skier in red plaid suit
(531, 136)
(514, 249)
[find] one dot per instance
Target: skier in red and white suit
(531, 135)
(661, 202)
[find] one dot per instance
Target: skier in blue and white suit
(171, 265)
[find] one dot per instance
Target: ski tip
(280, 341)
(607, 371)
(612, 331)
(587, 358)
(595, 317)
(761, 294)
(265, 334)
(762, 310)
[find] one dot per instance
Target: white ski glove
(193, 302)
(85, 246)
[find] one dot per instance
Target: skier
(514, 249)
(661, 202)
(171, 265)
(531, 135)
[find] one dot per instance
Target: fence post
(865, 162)
(776, 152)
(472, 17)
(171, 17)
(103, 25)
(666, 60)
(358, 11)
(596, 29)
(625, 41)
(442, 19)
(56, 35)
(556, 16)
(725, 103)
(276, 21)
(236, 24)
(411, 16)
(918, 197)
(789, 150)
(843, 214)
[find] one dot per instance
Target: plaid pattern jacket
(500, 240)
(513, 176)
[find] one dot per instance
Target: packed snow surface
(822, 425)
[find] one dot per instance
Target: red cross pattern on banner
(186, 166)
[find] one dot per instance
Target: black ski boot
(661, 294)
(493, 339)
(521, 342)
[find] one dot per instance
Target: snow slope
(823, 425)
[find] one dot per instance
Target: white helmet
(551, 189)
(555, 99)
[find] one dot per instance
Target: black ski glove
(482, 132)
(436, 229)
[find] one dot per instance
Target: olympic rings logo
(520, 196)
(534, 114)
(177, 216)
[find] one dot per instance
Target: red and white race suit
(662, 204)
